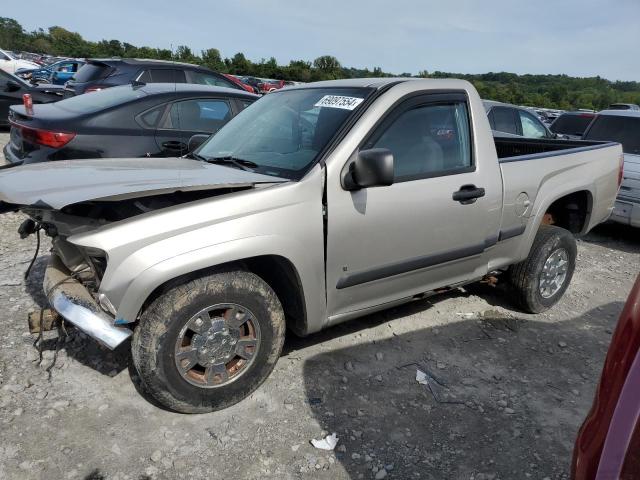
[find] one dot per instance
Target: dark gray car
(155, 120)
(100, 73)
(510, 120)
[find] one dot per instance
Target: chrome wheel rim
(554, 273)
(217, 345)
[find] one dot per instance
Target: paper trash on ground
(422, 378)
(327, 443)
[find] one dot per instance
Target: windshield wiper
(240, 163)
(195, 156)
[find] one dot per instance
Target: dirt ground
(508, 390)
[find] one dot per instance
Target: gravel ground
(509, 390)
(4, 139)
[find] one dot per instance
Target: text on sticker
(338, 101)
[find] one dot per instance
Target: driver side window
(428, 141)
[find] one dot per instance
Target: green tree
(212, 59)
(240, 65)
(12, 36)
(64, 42)
(184, 54)
(327, 63)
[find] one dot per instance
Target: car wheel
(540, 281)
(210, 342)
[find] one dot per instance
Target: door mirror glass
(195, 142)
(371, 168)
(12, 86)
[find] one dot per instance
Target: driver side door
(389, 243)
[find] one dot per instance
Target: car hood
(54, 185)
(26, 64)
(31, 70)
(49, 88)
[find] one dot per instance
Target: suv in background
(510, 120)
(622, 126)
(98, 74)
(624, 106)
(572, 124)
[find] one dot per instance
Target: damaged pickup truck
(313, 206)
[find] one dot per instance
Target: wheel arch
(277, 271)
(571, 211)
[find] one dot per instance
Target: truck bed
(515, 149)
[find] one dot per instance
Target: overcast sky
(576, 37)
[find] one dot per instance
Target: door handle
(468, 194)
(175, 145)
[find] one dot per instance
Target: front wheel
(208, 343)
(540, 280)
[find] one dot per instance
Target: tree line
(550, 91)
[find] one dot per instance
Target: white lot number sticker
(338, 101)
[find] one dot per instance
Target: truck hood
(54, 185)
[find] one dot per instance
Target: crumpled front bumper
(72, 301)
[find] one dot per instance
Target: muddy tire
(210, 342)
(540, 280)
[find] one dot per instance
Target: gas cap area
(522, 204)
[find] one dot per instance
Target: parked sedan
(13, 88)
(57, 73)
(241, 84)
(269, 85)
(152, 120)
(510, 120)
(10, 63)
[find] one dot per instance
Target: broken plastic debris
(422, 377)
(327, 443)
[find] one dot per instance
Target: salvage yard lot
(509, 390)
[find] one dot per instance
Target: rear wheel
(209, 343)
(540, 280)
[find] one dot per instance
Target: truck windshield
(621, 129)
(283, 133)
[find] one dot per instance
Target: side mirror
(196, 141)
(371, 168)
(12, 86)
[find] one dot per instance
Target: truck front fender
(311, 277)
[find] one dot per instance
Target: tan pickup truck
(315, 205)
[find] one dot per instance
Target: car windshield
(283, 133)
(571, 124)
(96, 101)
(90, 72)
(621, 129)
